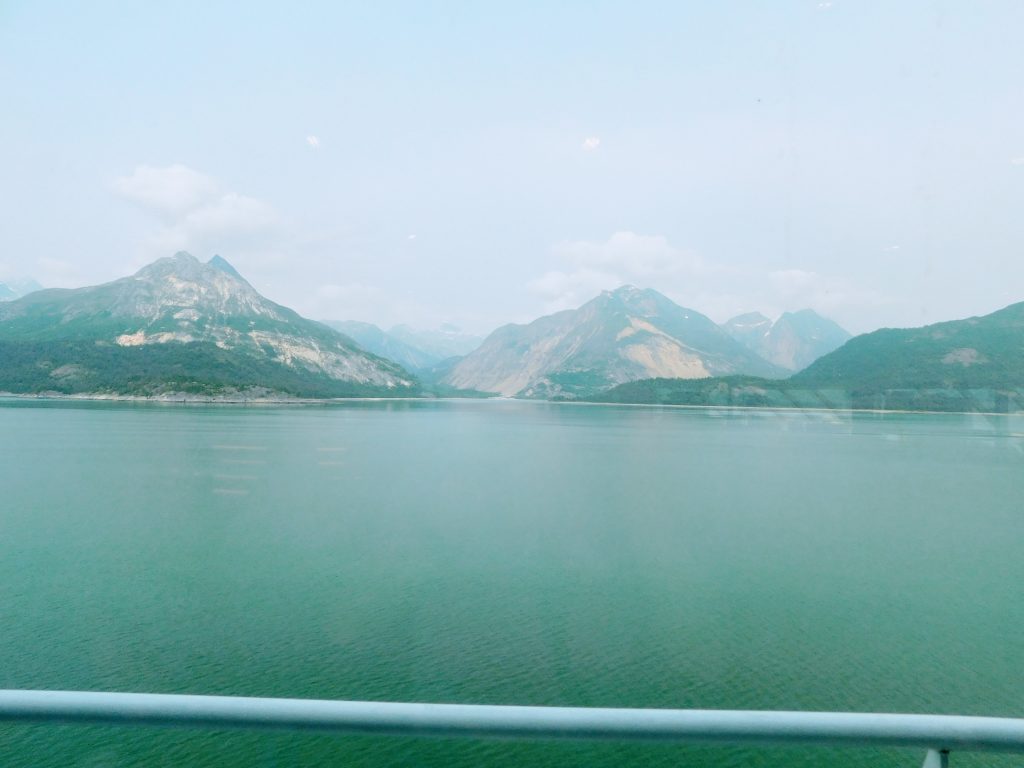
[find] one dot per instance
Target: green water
(503, 552)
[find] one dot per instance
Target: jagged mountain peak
(183, 265)
(190, 290)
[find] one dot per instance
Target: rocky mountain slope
(620, 336)
(792, 342)
(201, 324)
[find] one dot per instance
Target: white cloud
(169, 191)
(197, 213)
(1017, 161)
(411, 237)
(313, 142)
(591, 143)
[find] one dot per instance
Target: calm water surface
(503, 552)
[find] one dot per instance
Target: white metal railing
(939, 734)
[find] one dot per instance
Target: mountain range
(181, 325)
(619, 336)
(975, 364)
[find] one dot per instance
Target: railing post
(936, 758)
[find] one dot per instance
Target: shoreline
(187, 399)
(177, 398)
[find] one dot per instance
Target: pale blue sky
(428, 162)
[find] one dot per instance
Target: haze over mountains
(181, 323)
(793, 342)
(182, 326)
(419, 351)
(15, 289)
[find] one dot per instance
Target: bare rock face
(180, 299)
(620, 336)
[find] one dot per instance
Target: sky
(482, 163)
